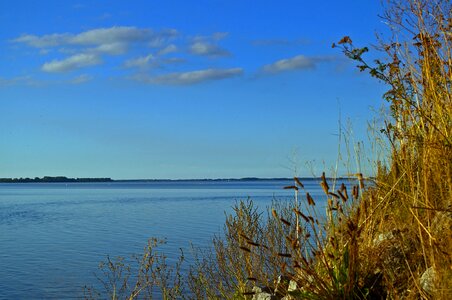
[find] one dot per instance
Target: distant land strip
(50, 179)
(53, 179)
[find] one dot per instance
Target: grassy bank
(390, 239)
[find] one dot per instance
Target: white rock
(260, 295)
(382, 237)
(292, 286)
(427, 280)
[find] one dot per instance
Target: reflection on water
(53, 236)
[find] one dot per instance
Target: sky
(180, 89)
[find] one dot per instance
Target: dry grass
(146, 276)
(293, 244)
(391, 240)
(412, 201)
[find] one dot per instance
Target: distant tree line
(53, 179)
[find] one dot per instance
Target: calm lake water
(53, 236)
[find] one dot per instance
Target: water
(53, 236)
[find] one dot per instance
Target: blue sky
(180, 89)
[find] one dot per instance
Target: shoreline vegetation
(391, 239)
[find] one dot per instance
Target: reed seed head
(298, 182)
(310, 200)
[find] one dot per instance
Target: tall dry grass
(413, 194)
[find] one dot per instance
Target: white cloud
(207, 49)
(111, 48)
(206, 45)
(116, 34)
(168, 49)
(96, 37)
(162, 38)
(88, 47)
(193, 77)
(81, 79)
(45, 41)
(139, 62)
(71, 63)
(299, 62)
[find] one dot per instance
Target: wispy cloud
(216, 36)
(111, 35)
(71, 63)
(161, 39)
(33, 82)
(44, 51)
(299, 62)
(168, 49)
(110, 48)
(20, 80)
(81, 79)
(173, 60)
(45, 41)
(219, 35)
(13, 81)
(206, 45)
(139, 62)
(192, 77)
(208, 49)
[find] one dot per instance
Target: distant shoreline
(53, 179)
(63, 179)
